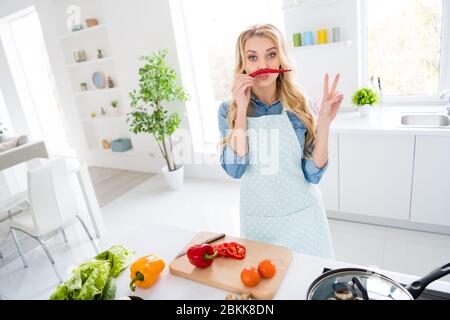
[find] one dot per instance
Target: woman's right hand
(242, 91)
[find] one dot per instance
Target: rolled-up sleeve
(233, 164)
(312, 173)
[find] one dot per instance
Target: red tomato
(267, 269)
(250, 276)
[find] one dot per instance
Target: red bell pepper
(201, 255)
(221, 249)
(261, 71)
(230, 249)
(236, 250)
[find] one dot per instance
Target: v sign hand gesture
(331, 101)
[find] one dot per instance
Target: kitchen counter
(385, 120)
(166, 241)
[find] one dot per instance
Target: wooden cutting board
(225, 273)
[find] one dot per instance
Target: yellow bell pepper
(145, 271)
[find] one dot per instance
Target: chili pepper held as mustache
(261, 71)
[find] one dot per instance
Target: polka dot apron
(277, 204)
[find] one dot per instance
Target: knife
(207, 241)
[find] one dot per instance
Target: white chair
(53, 206)
(12, 204)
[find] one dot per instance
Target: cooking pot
(362, 284)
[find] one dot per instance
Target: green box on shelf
(121, 145)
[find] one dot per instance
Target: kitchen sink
(426, 120)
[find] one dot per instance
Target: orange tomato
(267, 269)
(250, 276)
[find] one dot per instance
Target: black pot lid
(356, 284)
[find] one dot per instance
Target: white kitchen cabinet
(375, 174)
(329, 184)
(431, 181)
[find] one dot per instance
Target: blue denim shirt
(235, 166)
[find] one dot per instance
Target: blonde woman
(280, 201)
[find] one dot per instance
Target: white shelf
(83, 31)
(108, 152)
(310, 4)
(90, 62)
(89, 92)
(103, 119)
(347, 43)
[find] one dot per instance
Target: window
(407, 49)
(25, 50)
(206, 32)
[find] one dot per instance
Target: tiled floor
(214, 206)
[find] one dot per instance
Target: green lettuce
(90, 279)
(86, 283)
(118, 256)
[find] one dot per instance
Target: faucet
(377, 88)
(443, 94)
(380, 90)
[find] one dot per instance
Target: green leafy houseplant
(114, 103)
(365, 96)
(157, 83)
(2, 130)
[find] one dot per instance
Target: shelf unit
(108, 152)
(346, 43)
(107, 127)
(85, 31)
(96, 91)
(90, 62)
(104, 119)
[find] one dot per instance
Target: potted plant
(364, 100)
(83, 86)
(114, 104)
(157, 83)
(2, 131)
(99, 54)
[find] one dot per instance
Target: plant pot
(366, 111)
(174, 178)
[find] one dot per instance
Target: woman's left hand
(331, 101)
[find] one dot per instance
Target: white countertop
(385, 120)
(166, 241)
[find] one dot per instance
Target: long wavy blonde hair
(291, 97)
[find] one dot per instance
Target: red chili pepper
(261, 71)
(201, 255)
